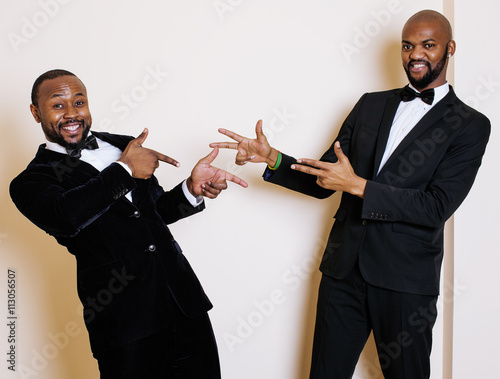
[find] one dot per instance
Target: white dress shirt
(105, 155)
(409, 113)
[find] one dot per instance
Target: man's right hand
(143, 161)
(249, 150)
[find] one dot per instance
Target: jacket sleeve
(173, 205)
(41, 197)
(305, 183)
(396, 198)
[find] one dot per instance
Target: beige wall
(184, 69)
(476, 329)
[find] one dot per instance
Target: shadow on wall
(390, 58)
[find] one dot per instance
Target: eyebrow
(425, 41)
(60, 95)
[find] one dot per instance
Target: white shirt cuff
(125, 166)
(195, 201)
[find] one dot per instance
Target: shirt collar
(53, 146)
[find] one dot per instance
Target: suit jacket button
(137, 214)
(363, 222)
(152, 248)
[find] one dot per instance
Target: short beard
(431, 75)
(52, 136)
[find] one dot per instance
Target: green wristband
(278, 162)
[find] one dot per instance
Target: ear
(36, 113)
(451, 48)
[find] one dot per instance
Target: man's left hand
(338, 176)
(209, 181)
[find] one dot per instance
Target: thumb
(339, 153)
(210, 157)
(142, 137)
(258, 131)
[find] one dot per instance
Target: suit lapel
(119, 141)
(63, 164)
(385, 128)
(430, 118)
(76, 171)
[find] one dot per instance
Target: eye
(429, 45)
(406, 47)
(79, 103)
(57, 106)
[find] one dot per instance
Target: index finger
(231, 135)
(312, 162)
(235, 179)
(166, 159)
(306, 169)
(225, 145)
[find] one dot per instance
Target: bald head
(427, 46)
(432, 17)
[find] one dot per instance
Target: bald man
(405, 160)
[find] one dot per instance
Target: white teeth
(71, 128)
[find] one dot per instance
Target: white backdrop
(184, 69)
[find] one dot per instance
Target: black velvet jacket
(131, 271)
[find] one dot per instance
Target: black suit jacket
(131, 271)
(396, 231)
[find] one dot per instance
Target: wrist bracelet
(278, 162)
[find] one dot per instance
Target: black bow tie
(89, 143)
(427, 96)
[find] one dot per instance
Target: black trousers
(349, 309)
(187, 350)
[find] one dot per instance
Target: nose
(417, 53)
(70, 112)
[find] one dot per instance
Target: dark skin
(63, 110)
(65, 117)
(426, 38)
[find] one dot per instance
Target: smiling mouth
(72, 127)
(417, 66)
